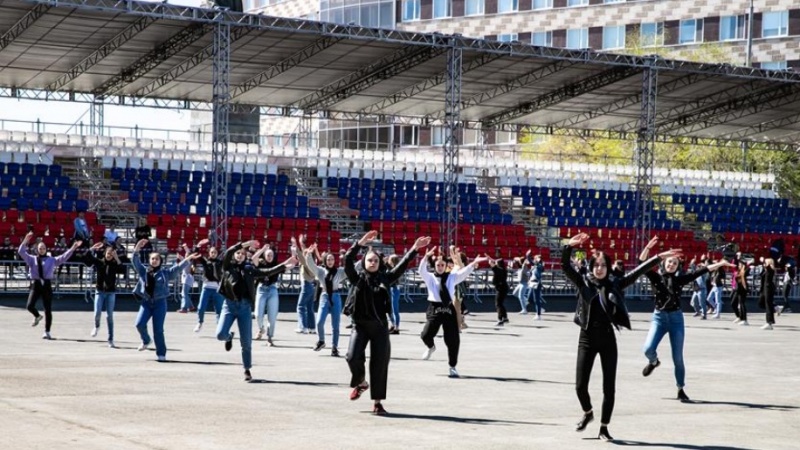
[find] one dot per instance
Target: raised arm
(350, 263)
(462, 273)
(426, 276)
(267, 272)
(62, 258)
(23, 250)
(137, 259)
(228, 255)
(397, 271)
(644, 267)
(566, 259)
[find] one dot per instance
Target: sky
(71, 113)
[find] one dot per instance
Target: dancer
(42, 272)
(368, 305)
(788, 283)
(766, 298)
(535, 284)
(107, 269)
(521, 279)
(238, 286)
(212, 272)
(668, 314)
(739, 302)
(187, 283)
(457, 261)
(267, 295)
(717, 281)
(394, 292)
(441, 310)
(601, 309)
(500, 283)
(699, 293)
(330, 278)
(306, 323)
(152, 289)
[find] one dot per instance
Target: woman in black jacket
(368, 304)
(238, 286)
(500, 283)
(739, 302)
(601, 309)
(767, 298)
(212, 271)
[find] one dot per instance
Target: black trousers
(377, 335)
(787, 289)
(43, 290)
(769, 305)
(499, 302)
(596, 340)
(445, 317)
(739, 304)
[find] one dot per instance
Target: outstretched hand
(422, 242)
(28, 237)
(671, 253)
(578, 239)
(480, 259)
(652, 242)
(367, 238)
(140, 244)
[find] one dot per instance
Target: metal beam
(764, 127)
(288, 63)
(23, 24)
(562, 94)
(150, 61)
(221, 134)
(452, 130)
(426, 84)
(186, 65)
(643, 157)
(753, 104)
(385, 68)
(626, 102)
(96, 56)
(755, 100)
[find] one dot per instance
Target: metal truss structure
(306, 69)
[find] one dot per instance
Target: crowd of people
(240, 283)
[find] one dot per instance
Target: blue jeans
(267, 298)
(523, 298)
(334, 307)
(240, 312)
(209, 294)
(667, 323)
(305, 306)
(716, 294)
(158, 311)
(186, 296)
(699, 302)
(106, 299)
(535, 298)
(394, 291)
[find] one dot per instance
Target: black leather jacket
(235, 274)
(589, 290)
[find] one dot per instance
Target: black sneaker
(604, 436)
(682, 396)
(247, 376)
(320, 345)
(649, 368)
(585, 420)
(378, 410)
(229, 343)
(335, 352)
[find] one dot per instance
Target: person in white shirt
(441, 312)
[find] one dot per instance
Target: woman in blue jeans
(330, 279)
(212, 271)
(266, 296)
(238, 286)
(668, 314)
(153, 289)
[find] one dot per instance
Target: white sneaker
(94, 332)
(47, 336)
(260, 334)
(523, 312)
(162, 358)
(111, 344)
(736, 320)
(36, 320)
(767, 326)
(542, 310)
(743, 323)
(428, 352)
(300, 331)
(538, 317)
(143, 347)
(198, 327)
(453, 373)
(311, 331)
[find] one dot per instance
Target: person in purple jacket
(42, 272)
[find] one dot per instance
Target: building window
(411, 9)
(437, 136)
(506, 137)
(441, 8)
(473, 8)
(542, 38)
(578, 38)
(774, 65)
(652, 33)
(775, 23)
(471, 137)
(511, 37)
(504, 6)
(731, 28)
(577, 2)
(613, 37)
(542, 4)
(409, 135)
(691, 31)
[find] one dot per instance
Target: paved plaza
(516, 389)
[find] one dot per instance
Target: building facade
(714, 30)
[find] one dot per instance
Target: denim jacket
(163, 277)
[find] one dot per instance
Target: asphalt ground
(516, 388)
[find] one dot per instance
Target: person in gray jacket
(152, 289)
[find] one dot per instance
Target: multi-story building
(715, 29)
